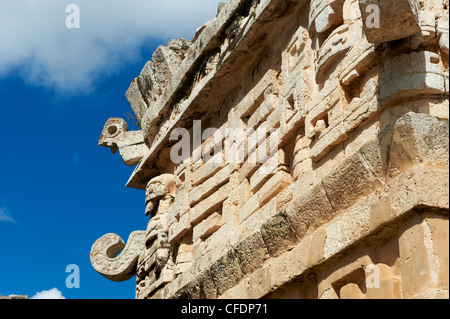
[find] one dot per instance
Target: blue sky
(59, 191)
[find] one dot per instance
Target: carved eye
(112, 130)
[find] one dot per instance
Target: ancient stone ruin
(327, 173)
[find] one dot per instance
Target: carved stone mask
(157, 189)
(113, 133)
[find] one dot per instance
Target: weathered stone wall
(360, 181)
(13, 297)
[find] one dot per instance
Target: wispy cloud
(37, 45)
(5, 216)
(49, 294)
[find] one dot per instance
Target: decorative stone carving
(411, 75)
(153, 267)
(442, 32)
(325, 13)
(157, 189)
(116, 136)
(106, 260)
(357, 203)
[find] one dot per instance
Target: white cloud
(4, 214)
(49, 294)
(36, 44)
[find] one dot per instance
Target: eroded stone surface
(354, 201)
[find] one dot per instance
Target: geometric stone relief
(410, 75)
(337, 92)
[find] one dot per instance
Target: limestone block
(251, 206)
(231, 205)
(298, 257)
(278, 234)
(208, 227)
(351, 180)
(155, 78)
(302, 168)
(226, 272)
(259, 283)
(432, 187)
(200, 287)
(252, 253)
(348, 228)
(206, 171)
(248, 169)
(209, 205)
(424, 254)
(317, 248)
(136, 100)
(328, 140)
(210, 185)
(274, 186)
(206, 286)
(239, 292)
(410, 75)
(270, 167)
(388, 287)
(263, 111)
(217, 244)
(309, 209)
(244, 192)
(284, 197)
(398, 19)
(254, 222)
(178, 229)
(115, 135)
(418, 138)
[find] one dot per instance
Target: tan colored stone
(397, 19)
(252, 253)
(274, 186)
(206, 207)
(207, 227)
(355, 202)
(424, 254)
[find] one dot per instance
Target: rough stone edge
(189, 64)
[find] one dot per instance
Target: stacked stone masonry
(357, 185)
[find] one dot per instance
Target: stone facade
(13, 297)
(356, 204)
